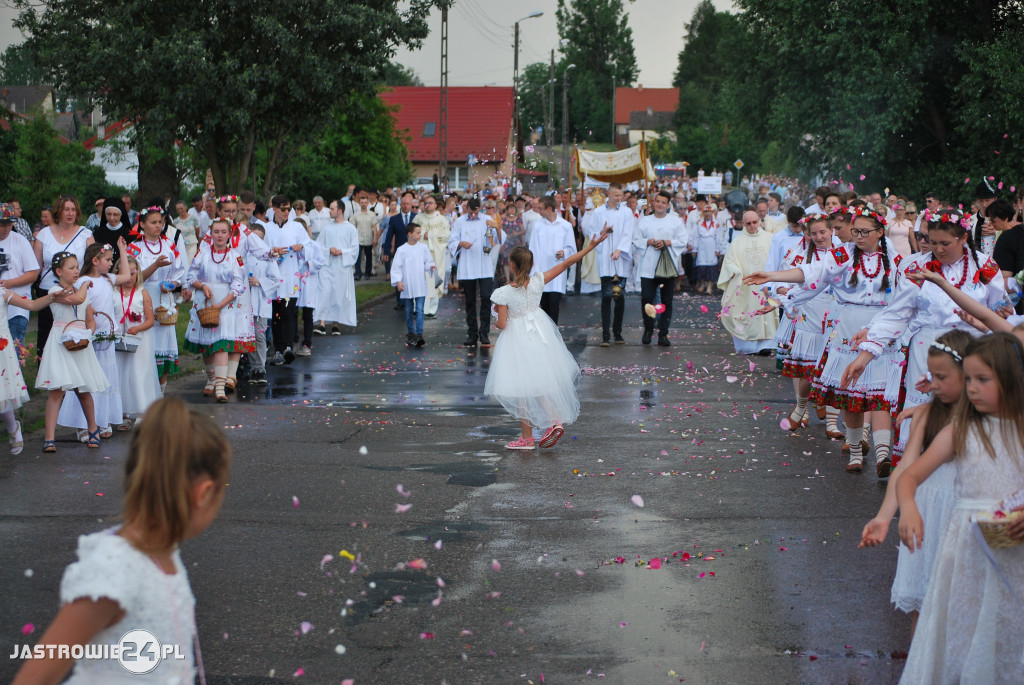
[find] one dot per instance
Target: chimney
(639, 87)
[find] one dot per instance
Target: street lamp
(565, 120)
(515, 97)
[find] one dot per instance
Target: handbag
(666, 267)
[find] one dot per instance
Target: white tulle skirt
(532, 374)
(934, 498)
(107, 404)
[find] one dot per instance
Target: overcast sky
(480, 39)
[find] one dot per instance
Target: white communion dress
(532, 374)
(62, 369)
(13, 391)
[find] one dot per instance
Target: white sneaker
(304, 352)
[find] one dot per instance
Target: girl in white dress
(163, 270)
(107, 404)
(532, 374)
(133, 314)
(860, 275)
(131, 577)
(216, 276)
(934, 496)
(61, 369)
(970, 625)
(13, 391)
(812, 321)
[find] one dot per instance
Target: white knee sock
(831, 419)
(801, 403)
(232, 368)
(853, 438)
(883, 444)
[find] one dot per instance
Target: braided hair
(810, 220)
(954, 223)
(882, 246)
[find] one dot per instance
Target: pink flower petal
(418, 564)
(27, 629)
(402, 508)
(704, 308)
(426, 636)
(295, 501)
(305, 627)
(637, 500)
(655, 563)
(495, 565)
(731, 379)
(402, 491)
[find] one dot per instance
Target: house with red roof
(643, 113)
(479, 130)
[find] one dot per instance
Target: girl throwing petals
(532, 374)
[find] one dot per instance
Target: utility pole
(565, 121)
(550, 110)
(442, 139)
(515, 102)
(613, 109)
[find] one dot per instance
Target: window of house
(429, 128)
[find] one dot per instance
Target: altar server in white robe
(552, 241)
(614, 258)
(336, 301)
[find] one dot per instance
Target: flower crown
(811, 218)
(948, 216)
(151, 210)
(854, 212)
(227, 198)
(107, 247)
(57, 260)
(948, 350)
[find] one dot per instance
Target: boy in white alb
(264, 280)
(552, 241)
(409, 270)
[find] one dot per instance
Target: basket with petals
(166, 315)
(995, 527)
(75, 339)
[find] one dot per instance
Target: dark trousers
(45, 323)
(606, 305)
(470, 287)
(307, 327)
(365, 253)
(648, 289)
(549, 304)
(285, 323)
(689, 268)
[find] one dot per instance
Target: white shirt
(530, 217)
(550, 237)
(621, 238)
(292, 233)
(20, 259)
(472, 263)
(318, 218)
(410, 267)
(669, 227)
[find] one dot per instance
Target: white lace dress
(970, 625)
(13, 391)
(108, 566)
(140, 384)
(107, 404)
(62, 369)
(532, 374)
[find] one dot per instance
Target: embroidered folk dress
(165, 338)
(223, 273)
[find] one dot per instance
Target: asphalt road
(508, 567)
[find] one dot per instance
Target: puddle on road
(474, 474)
(447, 532)
(413, 587)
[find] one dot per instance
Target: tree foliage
(360, 146)
(228, 76)
(43, 167)
(597, 39)
(18, 67)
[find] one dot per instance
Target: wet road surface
(507, 567)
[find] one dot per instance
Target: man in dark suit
(397, 235)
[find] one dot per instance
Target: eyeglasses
(863, 232)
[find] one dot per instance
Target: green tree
(228, 77)
(597, 39)
(18, 67)
(360, 146)
(394, 74)
(46, 167)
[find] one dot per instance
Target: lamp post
(515, 97)
(565, 120)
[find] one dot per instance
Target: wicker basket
(166, 316)
(74, 345)
(104, 339)
(209, 317)
(995, 530)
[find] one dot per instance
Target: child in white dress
(934, 496)
(532, 374)
(131, 577)
(217, 279)
(133, 315)
(62, 369)
(163, 270)
(107, 404)
(969, 630)
(13, 391)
